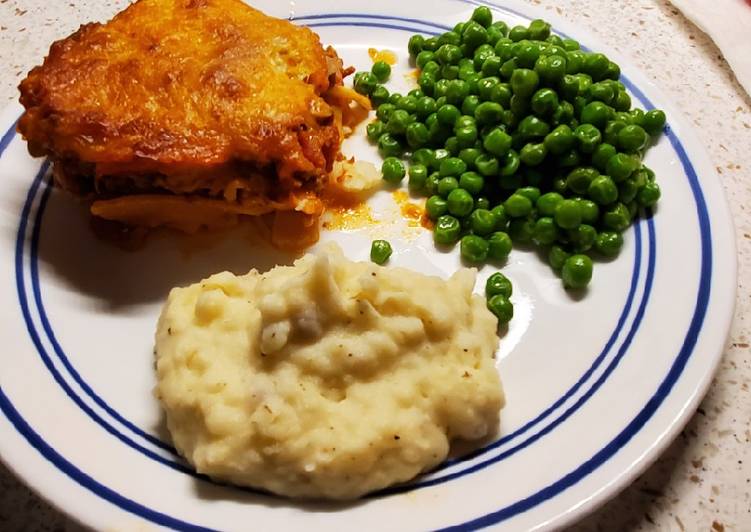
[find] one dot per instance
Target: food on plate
(380, 251)
(326, 379)
(517, 135)
(190, 113)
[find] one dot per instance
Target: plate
(596, 385)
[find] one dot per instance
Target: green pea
(427, 82)
(570, 45)
(539, 30)
(398, 121)
(379, 95)
(466, 136)
(501, 94)
(449, 37)
(521, 230)
(423, 156)
(547, 203)
(474, 249)
(431, 67)
(491, 65)
(518, 33)
(595, 113)
(613, 72)
(448, 54)
(365, 82)
(649, 194)
(389, 146)
(380, 251)
(431, 184)
(497, 142)
(482, 221)
(438, 156)
(407, 103)
(418, 175)
(484, 86)
(474, 35)
(574, 61)
(632, 138)
(430, 44)
(533, 154)
(557, 257)
(510, 163)
(579, 179)
(589, 209)
(524, 82)
(446, 185)
(447, 230)
(545, 231)
(532, 127)
(441, 86)
(452, 166)
(627, 190)
(456, 91)
(472, 182)
(526, 53)
(501, 218)
(499, 246)
(425, 106)
(482, 202)
(564, 114)
(448, 114)
(507, 68)
(622, 101)
(603, 92)
(603, 190)
(582, 237)
(654, 121)
(487, 165)
(435, 207)
(617, 217)
(424, 57)
(502, 308)
(577, 271)
(609, 243)
(483, 16)
(417, 135)
(481, 53)
(620, 166)
(596, 65)
(588, 137)
(544, 102)
(567, 214)
(392, 170)
(469, 156)
(469, 104)
(517, 206)
(374, 130)
(498, 284)
(488, 113)
(381, 70)
(602, 155)
(560, 140)
(415, 44)
(551, 69)
(519, 106)
(460, 202)
(496, 33)
(613, 127)
(383, 112)
(504, 48)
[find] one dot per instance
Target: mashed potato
(329, 378)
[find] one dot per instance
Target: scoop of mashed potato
(326, 379)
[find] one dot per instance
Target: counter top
(703, 480)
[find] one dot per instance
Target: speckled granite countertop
(703, 480)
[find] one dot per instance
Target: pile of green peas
(517, 136)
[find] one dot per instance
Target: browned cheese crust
(206, 99)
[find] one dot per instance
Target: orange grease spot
(387, 56)
(412, 212)
(345, 211)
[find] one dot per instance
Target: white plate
(596, 388)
